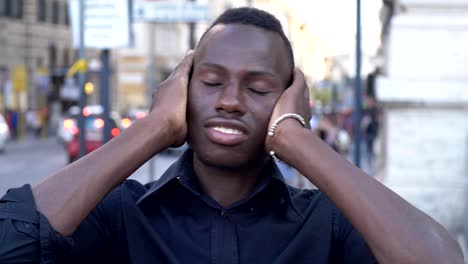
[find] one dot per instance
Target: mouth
(227, 130)
(228, 133)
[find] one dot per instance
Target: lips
(226, 132)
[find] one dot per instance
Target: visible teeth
(227, 130)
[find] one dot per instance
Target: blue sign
(170, 12)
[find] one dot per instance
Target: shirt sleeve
(350, 244)
(26, 235)
(97, 239)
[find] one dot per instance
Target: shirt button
(223, 213)
(251, 209)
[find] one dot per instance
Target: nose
(231, 99)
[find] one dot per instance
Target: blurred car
(131, 116)
(4, 133)
(94, 126)
(67, 125)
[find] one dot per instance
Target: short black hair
(257, 18)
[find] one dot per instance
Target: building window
(66, 19)
(41, 10)
(55, 12)
(3, 7)
(11, 8)
(16, 8)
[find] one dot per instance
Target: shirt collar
(182, 170)
(176, 170)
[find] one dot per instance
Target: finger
(183, 69)
(299, 86)
(298, 80)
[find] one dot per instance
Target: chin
(231, 160)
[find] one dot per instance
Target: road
(33, 160)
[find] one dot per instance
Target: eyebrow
(252, 73)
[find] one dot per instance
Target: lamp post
(81, 80)
(192, 41)
(357, 89)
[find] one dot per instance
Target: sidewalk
(30, 138)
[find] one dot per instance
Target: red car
(94, 126)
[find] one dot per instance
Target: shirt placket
(224, 240)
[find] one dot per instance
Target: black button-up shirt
(173, 221)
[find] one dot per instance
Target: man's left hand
(295, 99)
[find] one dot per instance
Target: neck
(226, 185)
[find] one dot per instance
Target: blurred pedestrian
(370, 126)
(32, 119)
(348, 121)
(44, 121)
(13, 121)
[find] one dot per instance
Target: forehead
(244, 48)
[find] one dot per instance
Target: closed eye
(211, 83)
(258, 91)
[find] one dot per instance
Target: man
(224, 201)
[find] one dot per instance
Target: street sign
(80, 66)
(170, 12)
(106, 23)
(19, 78)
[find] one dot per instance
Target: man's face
(239, 73)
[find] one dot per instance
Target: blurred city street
(32, 160)
(376, 73)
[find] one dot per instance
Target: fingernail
(189, 52)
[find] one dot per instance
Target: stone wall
(426, 154)
(425, 97)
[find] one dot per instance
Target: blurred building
(133, 69)
(424, 91)
(35, 51)
(322, 34)
(166, 43)
(323, 54)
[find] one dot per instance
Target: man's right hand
(170, 101)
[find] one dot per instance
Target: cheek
(192, 103)
(262, 111)
(196, 104)
(193, 98)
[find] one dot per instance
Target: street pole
(105, 73)
(357, 90)
(81, 83)
(151, 84)
(192, 33)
